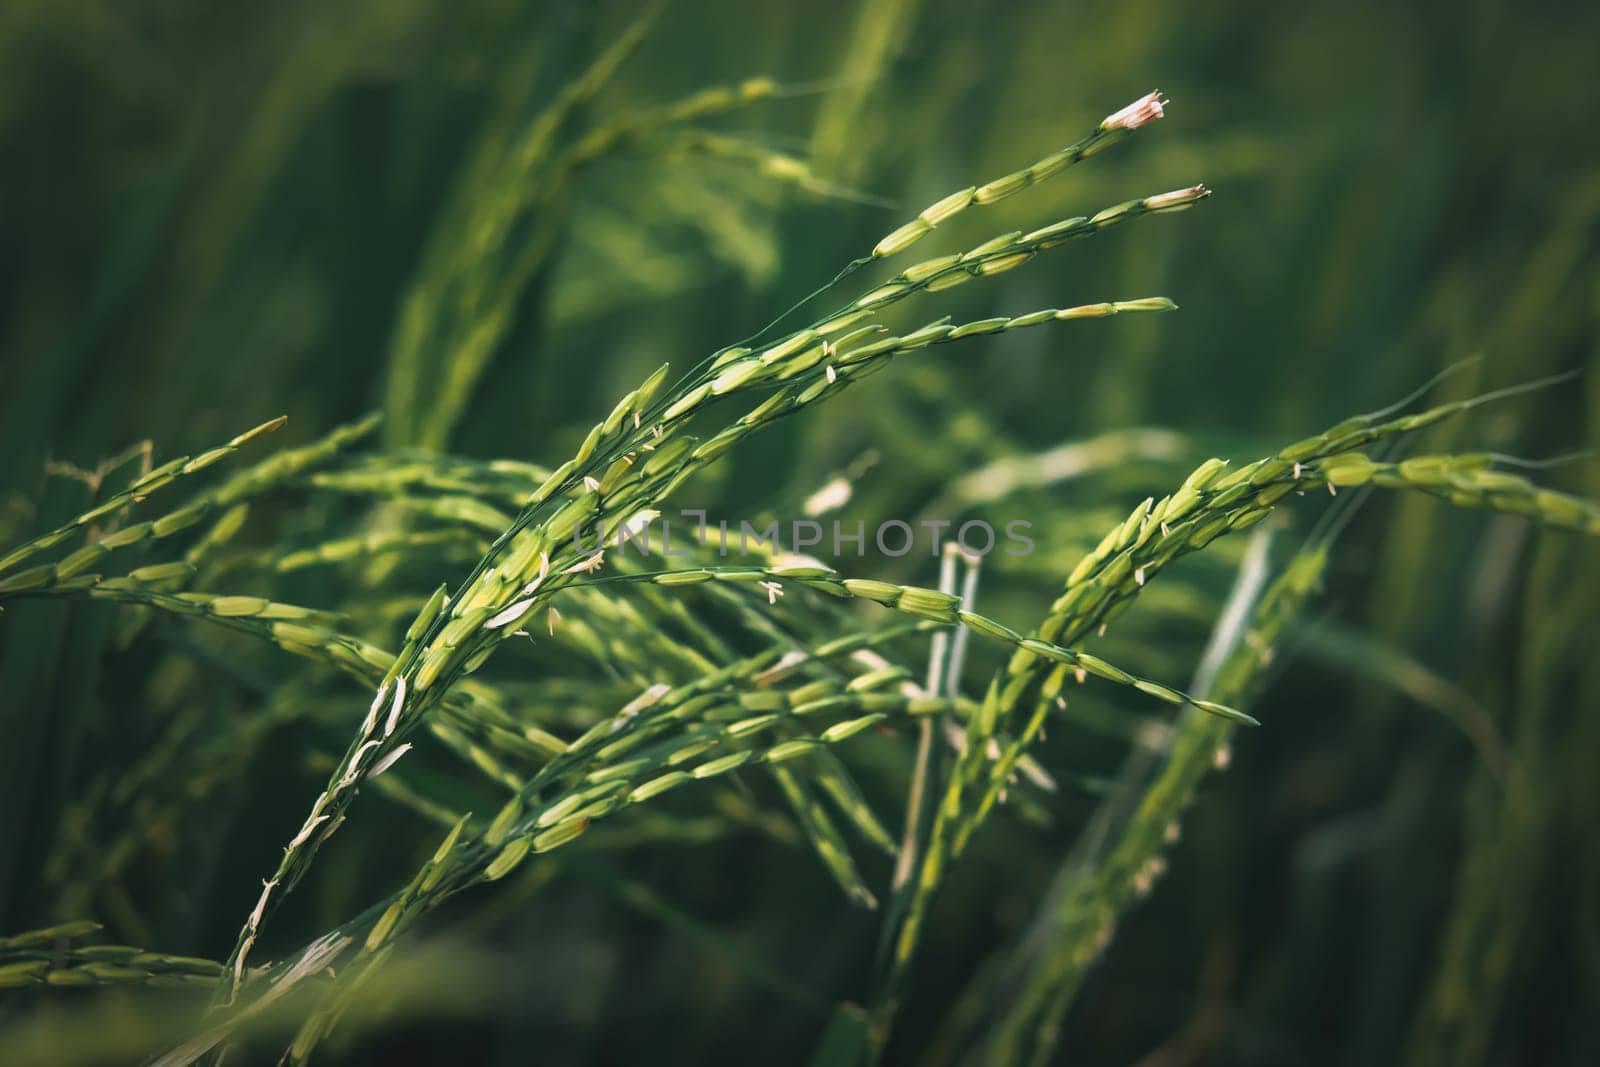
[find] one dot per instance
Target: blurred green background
(216, 213)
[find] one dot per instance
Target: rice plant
(882, 741)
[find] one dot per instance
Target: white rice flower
(870, 659)
(831, 497)
(372, 712)
(306, 831)
(1037, 774)
(1177, 200)
(354, 770)
(544, 569)
(238, 967)
(788, 660)
(261, 903)
(390, 760)
(584, 566)
(640, 521)
(649, 698)
(311, 961)
(398, 705)
(509, 615)
(1142, 111)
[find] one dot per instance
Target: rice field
(856, 533)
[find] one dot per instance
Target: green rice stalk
(141, 488)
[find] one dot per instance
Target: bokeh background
(215, 213)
